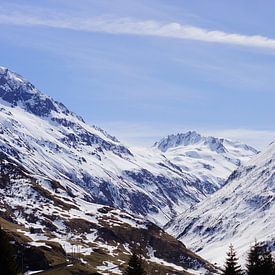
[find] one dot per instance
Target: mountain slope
(242, 211)
(53, 227)
(211, 159)
(54, 142)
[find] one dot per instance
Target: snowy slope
(41, 213)
(242, 211)
(52, 141)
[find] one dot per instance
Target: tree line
(259, 262)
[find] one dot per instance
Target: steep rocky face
(54, 226)
(240, 212)
(15, 90)
(49, 140)
(171, 141)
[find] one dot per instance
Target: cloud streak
(128, 26)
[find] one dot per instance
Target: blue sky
(145, 69)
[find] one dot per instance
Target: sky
(144, 69)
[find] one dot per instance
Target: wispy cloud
(131, 26)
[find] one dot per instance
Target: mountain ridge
(192, 137)
(60, 145)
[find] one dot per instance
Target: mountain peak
(189, 138)
(175, 140)
(17, 91)
(192, 137)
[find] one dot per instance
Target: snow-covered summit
(17, 91)
(192, 138)
(19, 94)
(211, 159)
(175, 140)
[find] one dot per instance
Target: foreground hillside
(54, 228)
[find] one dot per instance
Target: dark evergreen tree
(8, 265)
(260, 261)
(231, 265)
(135, 266)
(268, 265)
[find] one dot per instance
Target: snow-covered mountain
(49, 140)
(240, 212)
(53, 227)
(211, 159)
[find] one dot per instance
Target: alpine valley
(74, 198)
(240, 212)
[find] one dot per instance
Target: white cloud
(134, 27)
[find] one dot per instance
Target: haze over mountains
(186, 180)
